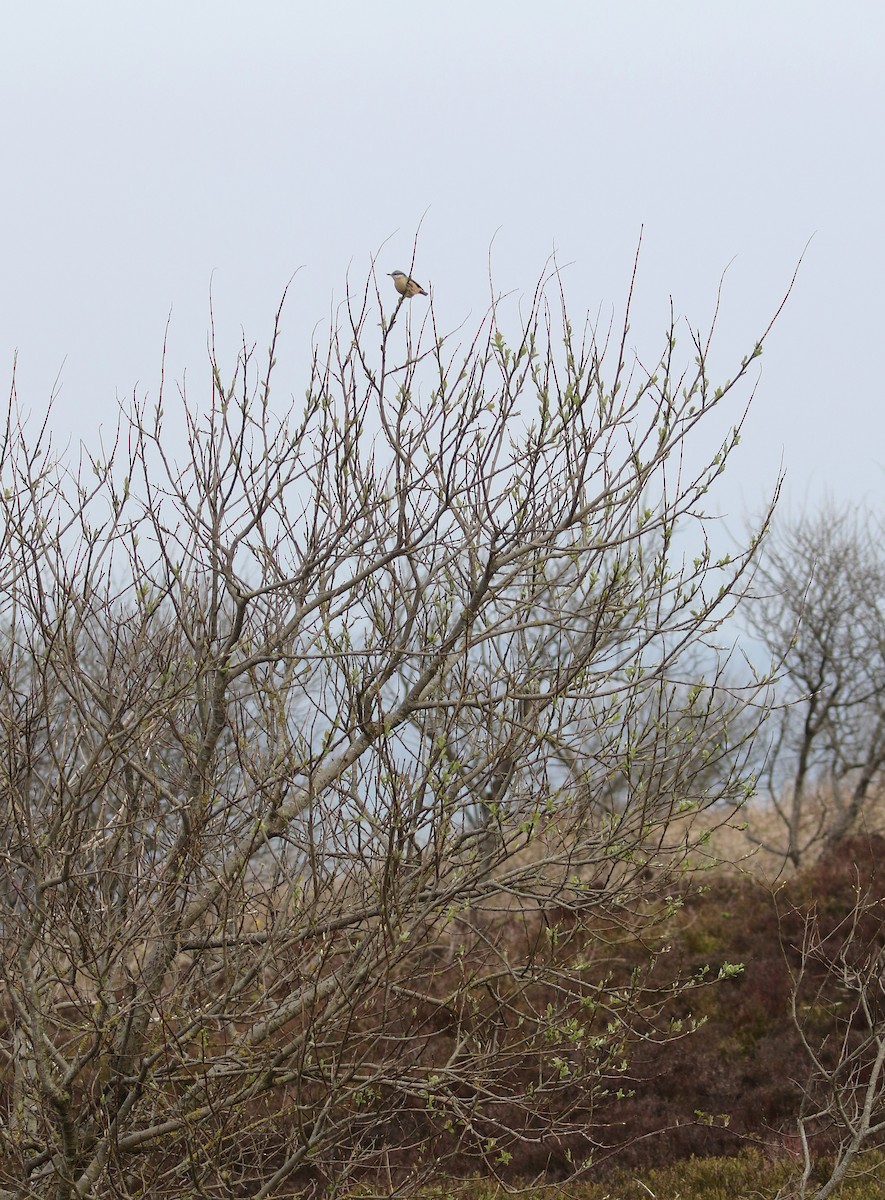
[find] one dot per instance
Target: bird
(405, 286)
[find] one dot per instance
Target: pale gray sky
(147, 146)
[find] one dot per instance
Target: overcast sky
(153, 149)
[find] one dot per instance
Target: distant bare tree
(294, 778)
(821, 613)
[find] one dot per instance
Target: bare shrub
(838, 1008)
(307, 732)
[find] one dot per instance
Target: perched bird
(405, 286)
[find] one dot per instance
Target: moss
(746, 1174)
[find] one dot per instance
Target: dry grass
(751, 841)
